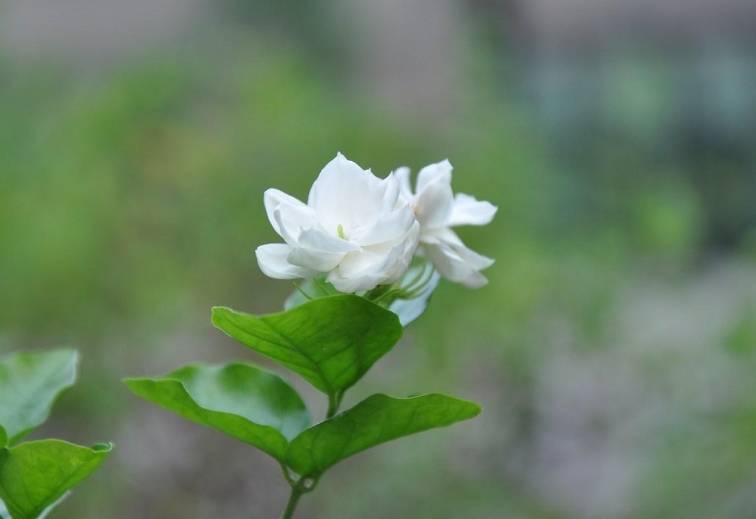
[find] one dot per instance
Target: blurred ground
(614, 348)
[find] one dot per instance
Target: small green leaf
(3, 437)
(240, 400)
(30, 383)
(377, 420)
(34, 476)
(332, 342)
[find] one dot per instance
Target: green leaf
(3, 437)
(30, 383)
(35, 476)
(332, 342)
(377, 420)
(240, 400)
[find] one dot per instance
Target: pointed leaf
(34, 476)
(377, 420)
(240, 400)
(30, 383)
(332, 342)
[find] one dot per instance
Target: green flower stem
(334, 401)
(296, 493)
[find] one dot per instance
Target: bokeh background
(614, 350)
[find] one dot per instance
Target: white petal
(453, 260)
(318, 240)
(469, 211)
(477, 280)
(289, 223)
(434, 203)
(405, 187)
(388, 188)
(433, 172)
(449, 237)
(370, 267)
(339, 189)
(273, 262)
(314, 260)
(390, 227)
(275, 199)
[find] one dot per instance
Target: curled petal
(290, 221)
(454, 260)
(293, 208)
(273, 261)
(433, 172)
(434, 203)
(469, 211)
(402, 176)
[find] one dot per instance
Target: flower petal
(433, 172)
(319, 241)
(455, 261)
(370, 267)
(294, 209)
(390, 227)
(468, 210)
(402, 176)
(434, 203)
(338, 192)
(318, 261)
(273, 262)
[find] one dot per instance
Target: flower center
(341, 232)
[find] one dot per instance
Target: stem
(334, 401)
(296, 493)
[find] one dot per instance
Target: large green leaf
(34, 476)
(332, 342)
(373, 421)
(29, 385)
(243, 401)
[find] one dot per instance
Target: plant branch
(296, 493)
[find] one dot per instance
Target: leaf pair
(36, 476)
(257, 407)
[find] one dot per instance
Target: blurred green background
(614, 349)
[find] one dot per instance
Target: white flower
(437, 210)
(354, 227)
